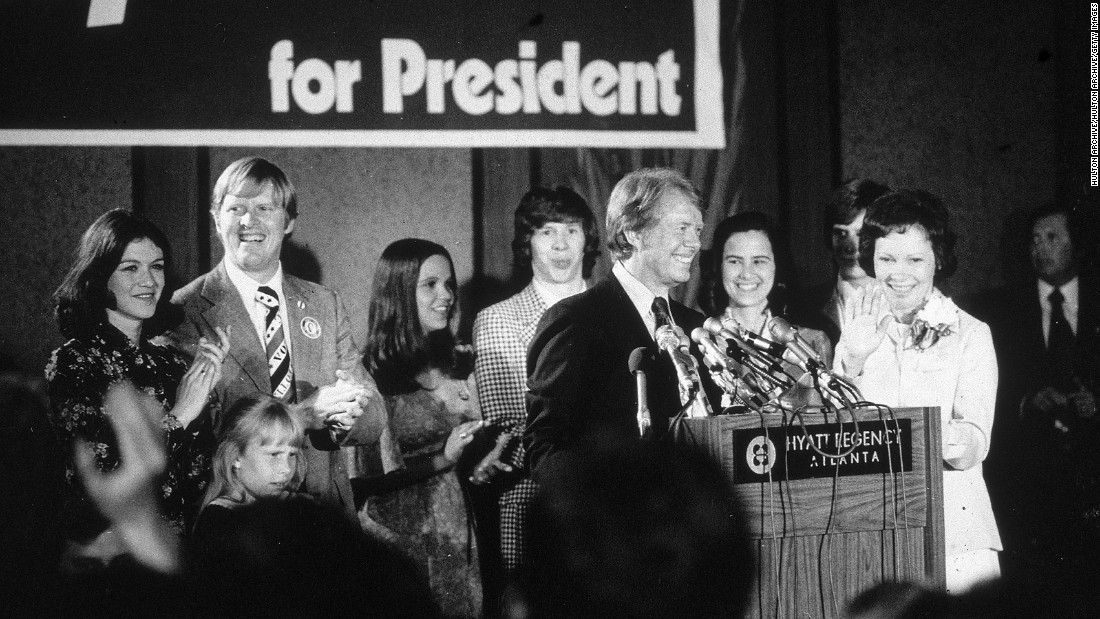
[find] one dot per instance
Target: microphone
(673, 341)
(712, 354)
(638, 361)
(787, 334)
(808, 358)
(735, 379)
(762, 354)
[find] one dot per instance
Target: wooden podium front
(824, 528)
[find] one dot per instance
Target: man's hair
(623, 528)
(541, 206)
(633, 205)
(82, 299)
(897, 211)
(846, 202)
(255, 171)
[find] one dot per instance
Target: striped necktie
(278, 354)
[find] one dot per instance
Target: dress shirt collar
(1069, 292)
(641, 296)
(246, 286)
(550, 297)
(1070, 295)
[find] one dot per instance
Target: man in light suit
(580, 386)
(556, 242)
(289, 338)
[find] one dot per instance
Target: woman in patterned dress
(419, 504)
(111, 306)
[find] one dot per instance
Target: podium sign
(833, 509)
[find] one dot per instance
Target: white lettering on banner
(333, 85)
(560, 86)
(106, 13)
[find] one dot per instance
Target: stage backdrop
(464, 73)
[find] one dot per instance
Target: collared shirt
(549, 297)
(1069, 305)
(257, 312)
(641, 296)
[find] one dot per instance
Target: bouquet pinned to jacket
(938, 318)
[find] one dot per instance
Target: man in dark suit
(579, 382)
(289, 338)
(1047, 334)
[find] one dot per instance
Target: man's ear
(632, 237)
(289, 226)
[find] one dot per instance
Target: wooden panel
(820, 542)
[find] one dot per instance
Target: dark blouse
(78, 374)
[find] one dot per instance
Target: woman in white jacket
(906, 344)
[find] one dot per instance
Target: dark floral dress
(78, 374)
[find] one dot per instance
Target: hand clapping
(461, 436)
(201, 377)
(339, 404)
(491, 464)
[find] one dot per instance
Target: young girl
(258, 456)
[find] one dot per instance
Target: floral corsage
(938, 318)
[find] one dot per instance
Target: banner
(439, 73)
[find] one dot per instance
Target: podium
(825, 529)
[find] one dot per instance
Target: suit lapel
(1033, 319)
(305, 351)
(531, 308)
(226, 310)
(631, 324)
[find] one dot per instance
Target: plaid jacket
(502, 333)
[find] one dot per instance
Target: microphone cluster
(750, 368)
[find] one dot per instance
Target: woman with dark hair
(425, 378)
(111, 305)
(904, 343)
(749, 279)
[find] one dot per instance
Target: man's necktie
(278, 354)
(1060, 338)
(661, 312)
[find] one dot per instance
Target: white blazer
(959, 375)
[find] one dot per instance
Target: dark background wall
(986, 107)
(958, 100)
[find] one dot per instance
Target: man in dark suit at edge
(580, 386)
(1045, 480)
